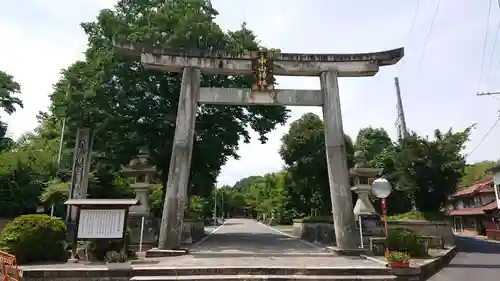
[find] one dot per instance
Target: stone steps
(266, 277)
(259, 270)
(241, 273)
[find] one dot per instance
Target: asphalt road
(246, 236)
(477, 260)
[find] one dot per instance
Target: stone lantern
(361, 178)
(141, 174)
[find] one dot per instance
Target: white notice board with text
(101, 224)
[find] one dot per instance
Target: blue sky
(438, 82)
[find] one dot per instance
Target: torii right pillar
(336, 156)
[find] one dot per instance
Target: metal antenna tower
(401, 121)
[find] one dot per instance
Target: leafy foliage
(416, 215)
(303, 151)
(19, 185)
(9, 88)
(56, 191)
(8, 102)
(373, 141)
(98, 249)
(33, 238)
(476, 172)
(128, 106)
(115, 257)
(405, 240)
(424, 172)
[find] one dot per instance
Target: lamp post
(381, 188)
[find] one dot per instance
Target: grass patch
(416, 215)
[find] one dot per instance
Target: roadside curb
(420, 272)
(431, 268)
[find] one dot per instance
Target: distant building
(474, 208)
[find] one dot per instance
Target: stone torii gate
(263, 65)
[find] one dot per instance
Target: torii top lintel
(233, 63)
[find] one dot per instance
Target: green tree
(372, 141)
(424, 171)
(8, 102)
(128, 106)
(303, 151)
(24, 171)
(8, 89)
(438, 168)
(19, 185)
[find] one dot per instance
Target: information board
(101, 224)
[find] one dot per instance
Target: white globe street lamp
(381, 188)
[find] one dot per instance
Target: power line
(498, 64)
(411, 30)
(484, 47)
(494, 48)
(428, 36)
(484, 137)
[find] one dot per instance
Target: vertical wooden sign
(81, 167)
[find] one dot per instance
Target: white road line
(212, 232)
(293, 237)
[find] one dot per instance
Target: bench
(8, 267)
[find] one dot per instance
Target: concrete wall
(320, 233)
(427, 228)
(324, 233)
(192, 231)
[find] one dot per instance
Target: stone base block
(346, 252)
(143, 261)
(158, 253)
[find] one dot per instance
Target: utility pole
(59, 154)
(215, 206)
(402, 130)
(222, 204)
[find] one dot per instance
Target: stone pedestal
(141, 191)
(192, 231)
(364, 210)
(148, 239)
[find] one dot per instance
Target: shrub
(406, 240)
(97, 249)
(415, 215)
(33, 238)
(115, 256)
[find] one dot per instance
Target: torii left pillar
(180, 162)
